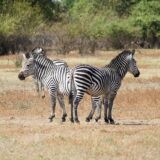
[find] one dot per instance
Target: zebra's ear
(26, 55)
(133, 52)
(38, 50)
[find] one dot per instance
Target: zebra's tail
(71, 87)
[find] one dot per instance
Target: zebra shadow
(137, 122)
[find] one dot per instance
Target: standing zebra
(102, 81)
(55, 77)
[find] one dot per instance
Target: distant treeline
(83, 25)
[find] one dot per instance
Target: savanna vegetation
(83, 25)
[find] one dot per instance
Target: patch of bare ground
(33, 138)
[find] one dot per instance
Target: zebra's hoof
(63, 119)
(51, 118)
(106, 120)
(111, 121)
(71, 119)
(96, 119)
(76, 120)
(87, 119)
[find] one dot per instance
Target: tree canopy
(115, 23)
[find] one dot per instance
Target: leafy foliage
(83, 24)
(20, 18)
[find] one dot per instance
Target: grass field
(26, 134)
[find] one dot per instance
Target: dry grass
(151, 79)
(129, 104)
(26, 134)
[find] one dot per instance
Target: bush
(19, 21)
(146, 15)
(18, 61)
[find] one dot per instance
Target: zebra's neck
(120, 65)
(43, 66)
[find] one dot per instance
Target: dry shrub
(86, 46)
(18, 61)
(63, 42)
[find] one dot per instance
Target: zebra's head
(28, 67)
(132, 66)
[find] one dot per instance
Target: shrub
(18, 61)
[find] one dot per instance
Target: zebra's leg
(110, 104)
(77, 99)
(53, 105)
(90, 116)
(62, 105)
(42, 90)
(71, 98)
(99, 106)
(36, 86)
(105, 101)
(72, 119)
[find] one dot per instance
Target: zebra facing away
(102, 81)
(52, 75)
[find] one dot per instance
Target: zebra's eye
(28, 65)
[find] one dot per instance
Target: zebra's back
(95, 81)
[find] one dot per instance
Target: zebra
(39, 85)
(102, 81)
(55, 77)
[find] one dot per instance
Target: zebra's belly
(95, 92)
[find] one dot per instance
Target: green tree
(146, 15)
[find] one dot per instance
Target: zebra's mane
(39, 58)
(118, 58)
(38, 51)
(119, 63)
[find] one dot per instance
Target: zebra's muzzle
(137, 74)
(21, 76)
